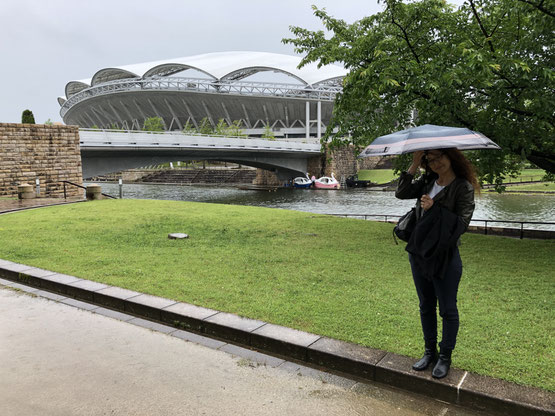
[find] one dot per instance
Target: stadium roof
(220, 66)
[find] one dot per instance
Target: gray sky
(45, 44)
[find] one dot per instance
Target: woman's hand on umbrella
(416, 161)
(426, 202)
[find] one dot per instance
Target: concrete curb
(460, 387)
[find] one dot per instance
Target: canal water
(489, 206)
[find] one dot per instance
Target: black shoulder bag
(404, 226)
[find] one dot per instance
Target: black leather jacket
(457, 197)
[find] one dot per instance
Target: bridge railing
(133, 138)
(311, 140)
(321, 92)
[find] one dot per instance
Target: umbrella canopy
(427, 137)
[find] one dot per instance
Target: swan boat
(302, 182)
(325, 182)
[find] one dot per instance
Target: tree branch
(482, 28)
(539, 7)
(406, 38)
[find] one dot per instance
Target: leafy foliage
(153, 124)
(205, 126)
(27, 117)
(221, 129)
(268, 133)
(488, 66)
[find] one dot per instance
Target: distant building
(222, 86)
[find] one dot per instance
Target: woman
(444, 208)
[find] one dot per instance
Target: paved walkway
(59, 359)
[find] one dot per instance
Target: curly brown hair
(462, 166)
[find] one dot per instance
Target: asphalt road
(61, 360)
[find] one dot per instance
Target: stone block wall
(342, 162)
(266, 177)
(49, 153)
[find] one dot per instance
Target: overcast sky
(46, 43)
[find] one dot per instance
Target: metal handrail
(386, 216)
(301, 140)
(82, 187)
(321, 92)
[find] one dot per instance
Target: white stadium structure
(223, 85)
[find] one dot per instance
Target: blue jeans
(443, 291)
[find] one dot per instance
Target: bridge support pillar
(342, 162)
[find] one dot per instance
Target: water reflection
(351, 201)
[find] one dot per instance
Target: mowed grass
(379, 176)
(527, 175)
(338, 277)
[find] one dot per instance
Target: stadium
(234, 86)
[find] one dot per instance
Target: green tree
(221, 128)
(49, 122)
(488, 65)
(268, 133)
(154, 124)
(205, 126)
(189, 128)
(27, 117)
(235, 130)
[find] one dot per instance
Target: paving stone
(253, 356)
(396, 370)
(304, 371)
(232, 327)
(186, 316)
(147, 305)
(281, 340)
(57, 282)
(5, 282)
(12, 270)
(487, 393)
(34, 276)
(113, 297)
(5, 262)
(78, 304)
(84, 289)
(151, 325)
(345, 357)
(49, 295)
(23, 288)
(198, 339)
(113, 314)
(36, 272)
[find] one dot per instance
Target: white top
(221, 66)
(436, 189)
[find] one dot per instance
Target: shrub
(154, 124)
(28, 117)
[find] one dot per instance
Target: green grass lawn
(528, 175)
(338, 277)
(379, 176)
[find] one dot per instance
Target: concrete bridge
(106, 151)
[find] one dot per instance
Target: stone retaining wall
(342, 162)
(49, 153)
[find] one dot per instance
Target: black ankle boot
(430, 356)
(441, 369)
